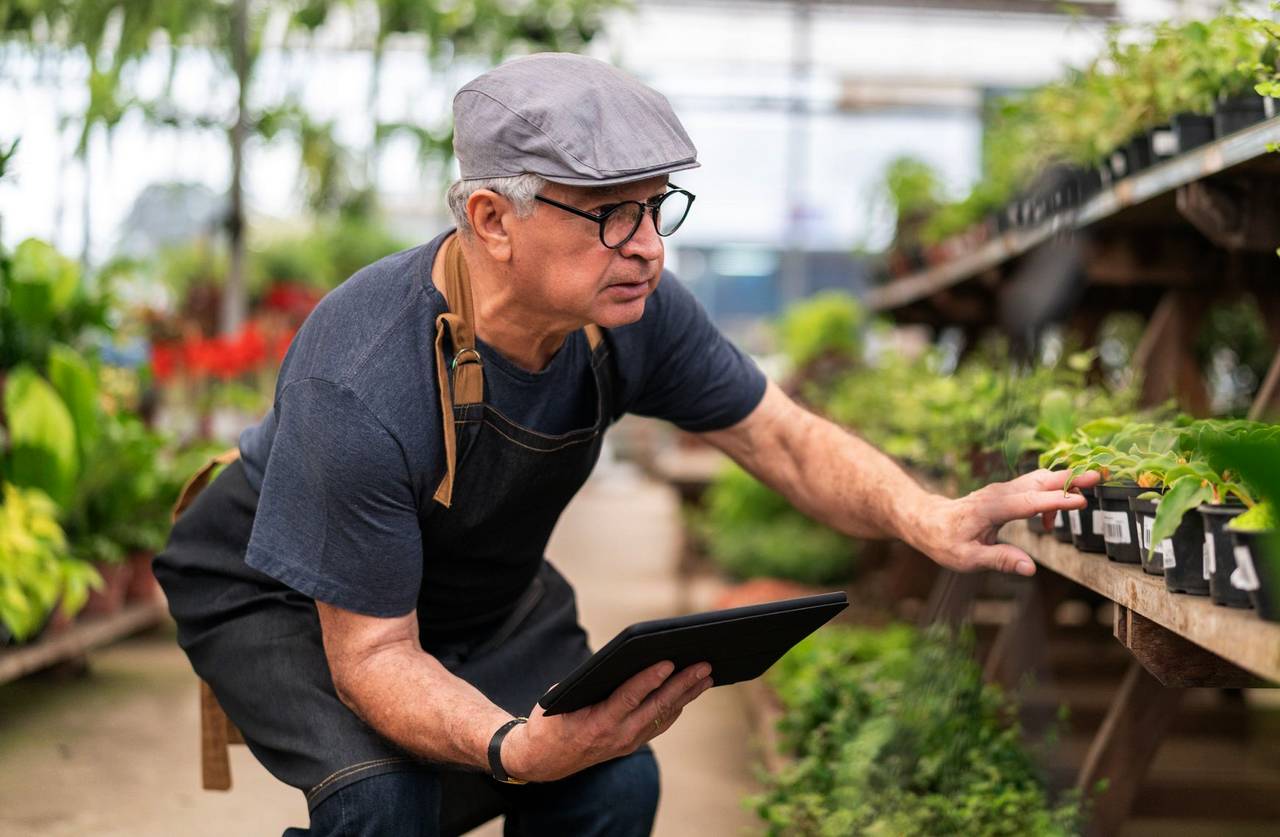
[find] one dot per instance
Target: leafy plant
(894, 732)
(44, 300)
(830, 324)
(1178, 460)
(1260, 518)
(36, 570)
(753, 532)
(43, 451)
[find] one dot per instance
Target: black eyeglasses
(620, 221)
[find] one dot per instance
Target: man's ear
(489, 214)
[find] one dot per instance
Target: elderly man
(365, 588)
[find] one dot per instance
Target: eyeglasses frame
(648, 208)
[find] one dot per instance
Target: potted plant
(1191, 478)
(1257, 561)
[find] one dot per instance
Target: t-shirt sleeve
(336, 516)
(689, 373)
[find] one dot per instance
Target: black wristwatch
(495, 752)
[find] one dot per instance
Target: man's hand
(961, 533)
(550, 748)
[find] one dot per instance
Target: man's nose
(646, 243)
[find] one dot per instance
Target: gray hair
(520, 190)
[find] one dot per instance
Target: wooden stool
(216, 734)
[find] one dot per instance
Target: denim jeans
(615, 799)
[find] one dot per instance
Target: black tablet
(740, 644)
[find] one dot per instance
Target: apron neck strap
(461, 377)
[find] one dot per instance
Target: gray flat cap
(569, 119)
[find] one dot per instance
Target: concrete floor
(115, 753)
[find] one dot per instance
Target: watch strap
(495, 752)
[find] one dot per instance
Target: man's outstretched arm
(843, 481)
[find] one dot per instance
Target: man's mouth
(625, 291)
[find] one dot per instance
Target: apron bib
(491, 608)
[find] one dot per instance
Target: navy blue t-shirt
(353, 443)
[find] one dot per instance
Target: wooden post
(1125, 745)
(1266, 403)
(1166, 353)
(1023, 641)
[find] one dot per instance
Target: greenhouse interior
(963, 490)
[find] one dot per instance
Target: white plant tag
(1164, 143)
(1245, 577)
(1210, 556)
(1095, 520)
(1115, 527)
(1166, 549)
(1057, 519)
(1074, 515)
(1148, 524)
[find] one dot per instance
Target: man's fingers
(1005, 558)
(628, 697)
(673, 696)
(1046, 480)
(1029, 504)
(662, 722)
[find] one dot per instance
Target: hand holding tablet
(635, 688)
(740, 644)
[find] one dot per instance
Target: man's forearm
(407, 696)
(850, 485)
(828, 473)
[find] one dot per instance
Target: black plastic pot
(1144, 516)
(1266, 598)
(1191, 130)
(1086, 524)
(1118, 532)
(1088, 183)
(1184, 558)
(1219, 555)
(1139, 152)
(1238, 113)
(1061, 527)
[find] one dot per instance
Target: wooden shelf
(1236, 635)
(1160, 179)
(78, 639)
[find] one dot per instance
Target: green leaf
(42, 435)
(42, 283)
(76, 382)
(1057, 414)
(1182, 496)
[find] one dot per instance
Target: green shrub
(894, 733)
(829, 324)
(753, 532)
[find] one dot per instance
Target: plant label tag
(1210, 556)
(1166, 549)
(1057, 519)
(1115, 527)
(1095, 520)
(1148, 524)
(1244, 577)
(1074, 515)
